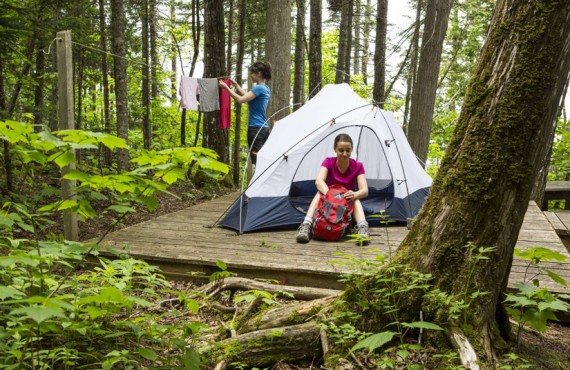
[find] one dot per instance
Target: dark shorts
(259, 134)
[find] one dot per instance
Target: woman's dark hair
(343, 137)
(262, 67)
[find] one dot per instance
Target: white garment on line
(189, 93)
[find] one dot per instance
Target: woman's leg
(358, 212)
(305, 230)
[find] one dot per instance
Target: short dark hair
(262, 67)
(343, 137)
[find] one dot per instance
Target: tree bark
(482, 189)
(424, 91)
(145, 88)
(118, 23)
(230, 37)
(343, 43)
(278, 53)
(173, 67)
(105, 75)
(39, 108)
(366, 40)
(413, 68)
(299, 79)
(153, 33)
(214, 66)
(315, 48)
(242, 18)
(380, 53)
(356, 20)
(195, 35)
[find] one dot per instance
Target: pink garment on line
(225, 107)
(188, 93)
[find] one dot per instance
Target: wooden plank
(558, 225)
(564, 217)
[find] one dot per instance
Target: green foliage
(531, 304)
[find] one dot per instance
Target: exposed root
(464, 348)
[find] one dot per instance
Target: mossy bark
(482, 189)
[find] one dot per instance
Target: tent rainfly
(283, 184)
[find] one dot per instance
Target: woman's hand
(223, 85)
(350, 195)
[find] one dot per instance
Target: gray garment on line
(209, 94)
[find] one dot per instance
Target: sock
(362, 223)
(308, 220)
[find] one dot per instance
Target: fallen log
(287, 315)
(237, 283)
(269, 346)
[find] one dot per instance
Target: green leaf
(374, 341)
(148, 353)
(121, 209)
(39, 313)
(192, 305)
(113, 142)
(221, 265)
(422, 325)
(173, 175)
(76, 175)
(62, 159)
(557, 278)
(10, 292)
(190, 359)
(85, 209)
(538, 319)
(556, 305)
(58, 206)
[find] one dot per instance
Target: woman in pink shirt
(344, 171)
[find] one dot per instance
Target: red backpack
(333, 215)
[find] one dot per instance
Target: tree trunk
(348, 51)
(315, 48)
(2, 90)
(424, 92)
(154, 63)
(343, 40)
(413, 68)
(278, 53)
(105, 75)
(173, 56)
(366, 40)
(299, 80)
(118, 23)
(380, 53)
(242, 19)
(195, 34)
(145, 88)
(230, 38)
(79, 94)
(356, 20)
(39, 108)
(482, 189)
(214, 66)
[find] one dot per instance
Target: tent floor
(181, 243)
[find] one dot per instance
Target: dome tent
(283, 184)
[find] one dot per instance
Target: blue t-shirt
(258, 105)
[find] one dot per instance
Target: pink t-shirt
(346, 179)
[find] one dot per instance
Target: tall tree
(344, 39)
(380, 53)
(357, 20)
(145, 66)
(105, 76)
(214, 66)
(118, 23)
(173, 56)
(413, 66)
(242, 19)
(278, 53)
(299, 78)
(315, 47)
(230, 37)
(366, 39)
(153, 36)
(482, 189)
(425, 88)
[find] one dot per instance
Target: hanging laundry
(189, 93)
(225, 106)
(209, 96)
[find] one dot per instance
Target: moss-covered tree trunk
(482, 190)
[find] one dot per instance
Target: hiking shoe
(362, 231)
(304, 233)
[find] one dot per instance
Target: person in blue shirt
(257, 99)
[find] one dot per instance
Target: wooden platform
(560, 221)
(182, 243)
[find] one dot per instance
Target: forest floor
(550, 350)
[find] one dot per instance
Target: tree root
(236, 283)
(466, 352)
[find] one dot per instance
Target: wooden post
(66, 122)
